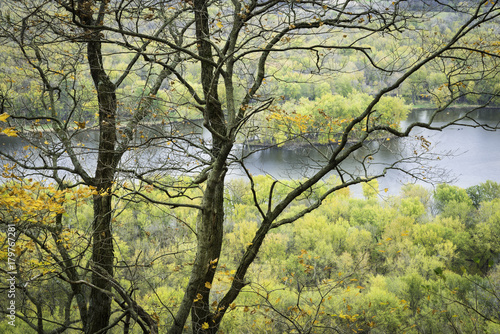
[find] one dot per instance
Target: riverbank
(425, 106)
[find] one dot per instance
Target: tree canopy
(118, 101)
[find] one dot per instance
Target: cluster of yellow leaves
(293, 120)
(225, 275)
(32, 204)
(85, 192)
(80, 125)
(31, 201)
(7, 131)
(351, 318)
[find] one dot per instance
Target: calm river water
(467, 156)
(475, 155)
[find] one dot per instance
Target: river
(461, 155)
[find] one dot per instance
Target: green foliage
(452, 201)
(412, 207)
(323, 118)
(446, 194)
(483, 192)
(347, 267)
(353, 264)
(418, 191)
(370, 189)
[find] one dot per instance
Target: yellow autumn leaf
(80, 125)
(10, 132)
(198, 298)
(208, 285)
(219, 24)
(3, 117)
(205, 326)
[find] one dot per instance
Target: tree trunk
(211, 218)
(102, 265)
(210, 236)
(102, 241)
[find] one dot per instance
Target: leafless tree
(233, 43)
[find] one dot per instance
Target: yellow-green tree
(232, 45)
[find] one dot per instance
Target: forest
(420, 262)
(118, 209)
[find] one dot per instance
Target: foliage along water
(462, 155)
